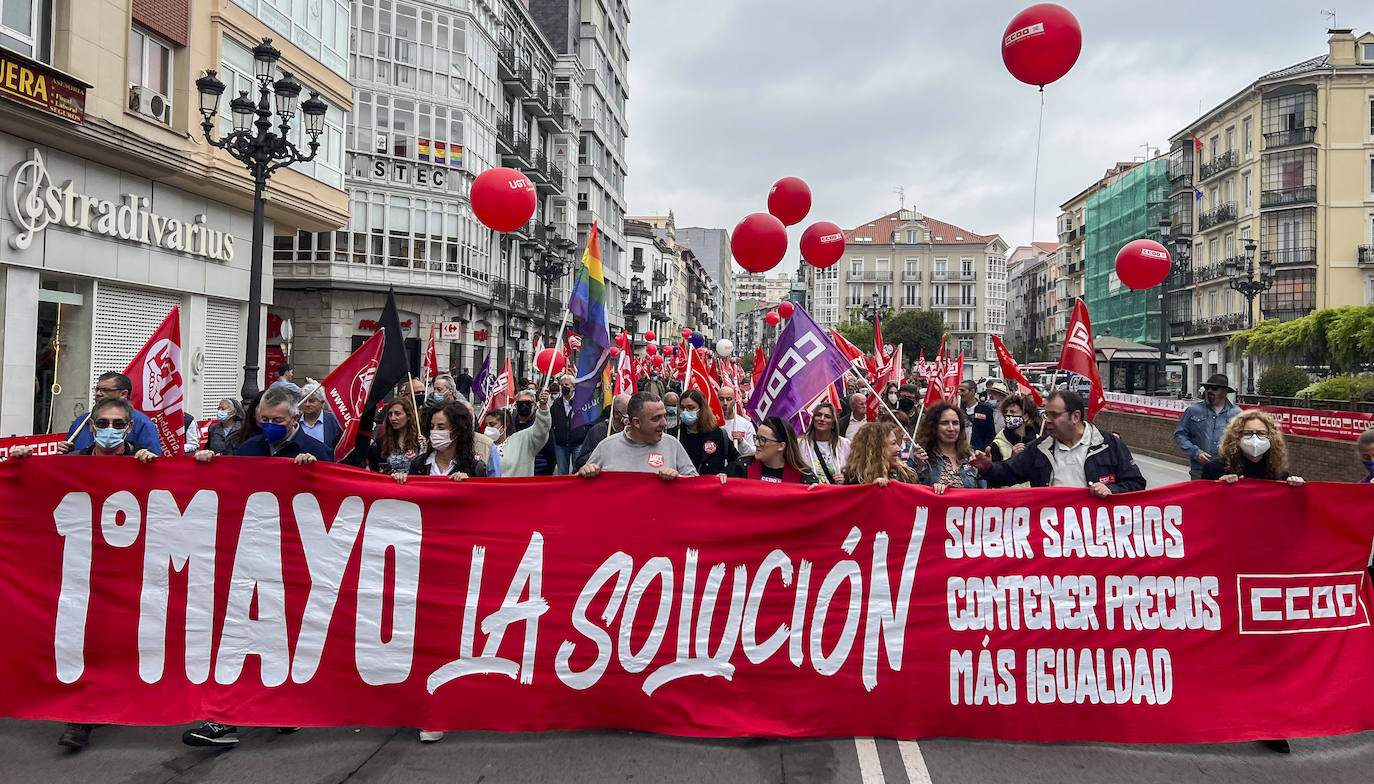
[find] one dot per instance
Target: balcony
(1211, 326)
(505, 59)
(660, 277)
(871, 276)
(1218, 164)
(555, 176)
(964, 326)
(539, 100)
(968, 275)
(518, 77)
(913, 302)
(1222, 213)
(1366, 255)
(558, 114)
(1288, 256)
(1287, 197)
(537, 171)
(911, 276)
(941, 275)
(519, 156)
(1069, 270)
(1181, 174)
(1289, 138)
(505, 135)
(967, 302)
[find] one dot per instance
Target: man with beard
(1200, 428)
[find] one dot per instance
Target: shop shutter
(124, 320)
(223, 371)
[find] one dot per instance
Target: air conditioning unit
(148, 103)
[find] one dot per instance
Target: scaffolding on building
(1125, 210)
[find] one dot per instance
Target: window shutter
(223, 370)
(124, 320)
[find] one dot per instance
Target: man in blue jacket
(282, 434)
(80, 435)
(1199, 429)
(1072, 453)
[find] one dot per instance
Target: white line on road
(914, 762)
(870, 766)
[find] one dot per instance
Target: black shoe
(211, 734)
(1279, 746)
(288, 730)
(76, 736)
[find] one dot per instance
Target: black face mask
(906, 405)
(567, 391)
(524, 407)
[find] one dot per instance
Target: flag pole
(557, 349)
(881, 402)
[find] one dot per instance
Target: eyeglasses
(1254, 432)
(1054, 414)
(99, 388)
(117, 424)
(763, 440)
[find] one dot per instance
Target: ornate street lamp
(254, 143)
(1183, 244)
(1243, 279)
(549, 263)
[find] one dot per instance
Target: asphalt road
(370, 755)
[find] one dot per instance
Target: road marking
(914, 762)
(870, 766)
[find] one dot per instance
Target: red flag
(954, 373)
(935, 389)
(155, 372)
(1012, 371)
(347, 386)
(856, 357)
(431, 369)
(893, 372)
(1080, 356)
(878, 353)
(759, 361)
(624, 376)
(701, 379)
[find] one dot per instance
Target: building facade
(909, 261)
(760, 286)
(1070, 258)
(1287, 162)
(653, 260)
(102, 120)
(712, 249)
(1128, 209)
(1029, 332)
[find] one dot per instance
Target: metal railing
(1222, 213)
(1218, 164)
(1289, 137)
(1365, 254)
(1286, 196)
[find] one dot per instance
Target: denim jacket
(1200, 429)
(968, 473)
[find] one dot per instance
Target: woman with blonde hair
(1251, 447)
(876, 456)
(823, 449)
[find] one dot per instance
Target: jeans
(566, 455)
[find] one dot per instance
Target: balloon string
(1035, 181)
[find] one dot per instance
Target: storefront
(92, 259)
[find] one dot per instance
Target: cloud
(860, 98)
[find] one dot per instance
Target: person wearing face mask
(671, 402)
(736, 424)
(776, 457)
(519, 447)
(1021, 426)
(545, 455)
(449, 451)
(317, 422)
(908, 397)
(608, 425)
(228, 420)
(281, 434)
(981, 417)
(890, 393)
(1200, 428)
(445, 391)
(944, 450)
(483, 448)
(80, 435)
(707, 445)
(1365, 447)
(566, 439)
(1252, 447)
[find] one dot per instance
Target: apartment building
(1070, 258)
(102, 109)
(1029, 331)
(909, 261)
(1288, 163)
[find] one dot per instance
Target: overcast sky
(858, 97)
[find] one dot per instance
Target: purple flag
(803, 363)
(483, 382)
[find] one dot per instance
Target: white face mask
(1254, 446)
(493, 433)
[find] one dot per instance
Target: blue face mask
(222, 415)
(670, 410)
(688, 418)
(436, 397)
(273, 431)
(109, 437)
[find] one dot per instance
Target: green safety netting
(1126, 210)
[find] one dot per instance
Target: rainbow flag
(588, 305)
(422, 148)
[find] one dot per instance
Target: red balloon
(651, 349)
(649, 336)
(503, 199)
(550, 362)
(758, 243)
(1142, 264)
(772, 319)
(785, 309)
(686, 333)
(1041, 44)
(822, 244)
(789, 200)
(615, 352)
(658, 362)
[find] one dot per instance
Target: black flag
(391, 370)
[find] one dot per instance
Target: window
(26, 27)
(1290, 236)
(966, 268)
(150, 62)
(1294, 295)
(1246, 191)
(884, 294)
(937, 296)
(913, 269)
(1248, 134)
(856, 295)
(1231, 138)
(856, 268)
(320, 28)
(911, 295)
(1288, 177)
(1290, 117)
(912, 236)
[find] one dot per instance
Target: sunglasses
(118, 424)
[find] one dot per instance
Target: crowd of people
(988, 439)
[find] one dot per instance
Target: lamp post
(1244, 281)
(255, 144)
(873, 309)
(1178, 262)
(548, 262)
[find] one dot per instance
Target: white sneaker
(430, 736)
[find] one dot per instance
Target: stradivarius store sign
(34, 203)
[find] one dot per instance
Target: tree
(1341, 338)
(915, 330)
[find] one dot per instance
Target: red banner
(1336, 425)
(155, 372)
(256, 592)
(347, 387)
(43, 444)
